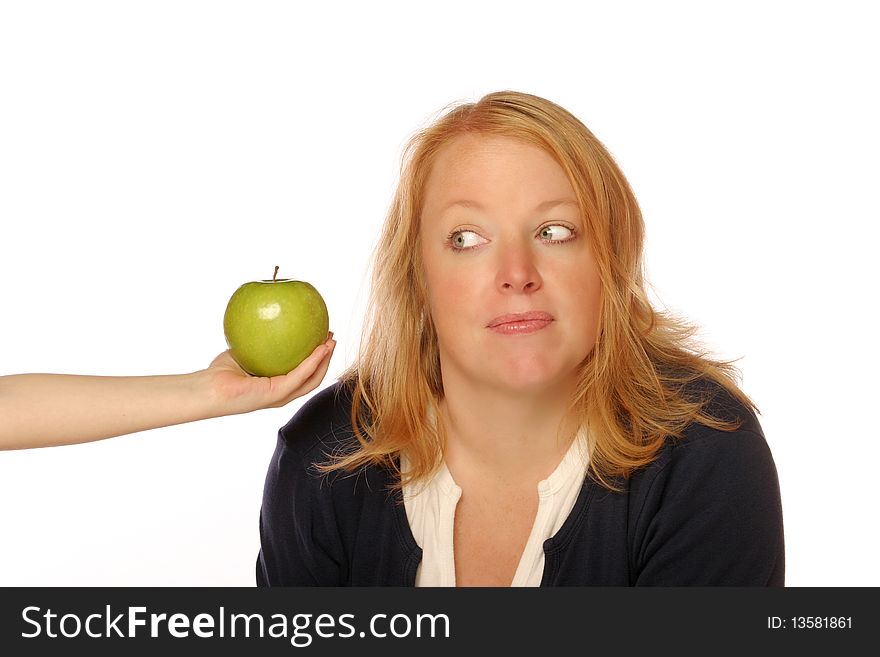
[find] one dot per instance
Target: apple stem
(275, 274)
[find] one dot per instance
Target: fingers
(320, 355)
(312, 382)
(305, 377)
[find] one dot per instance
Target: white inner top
(430, 510)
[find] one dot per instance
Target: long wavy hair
(631, 392)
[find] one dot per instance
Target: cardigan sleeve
(711, 515)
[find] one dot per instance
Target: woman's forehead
(472, 166)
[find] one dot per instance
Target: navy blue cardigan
(706, 512)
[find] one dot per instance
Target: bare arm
(43, 410)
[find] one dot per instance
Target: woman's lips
(520, 323)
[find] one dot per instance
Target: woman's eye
(556, 233)
(465, 239)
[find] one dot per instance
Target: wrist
(203, 387)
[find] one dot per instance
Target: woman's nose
(517, 271)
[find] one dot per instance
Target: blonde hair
(631, 393)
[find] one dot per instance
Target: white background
(156, 155)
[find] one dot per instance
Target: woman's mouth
(520, 323)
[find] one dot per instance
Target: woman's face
(513, 287)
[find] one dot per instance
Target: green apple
(272, 326)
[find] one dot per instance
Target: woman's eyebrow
(546, 205)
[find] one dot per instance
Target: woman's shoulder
(323, 423)
(722, 404)
(319, 432)
(713, 495)
(710, 453)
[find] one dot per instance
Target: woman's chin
(536, 372)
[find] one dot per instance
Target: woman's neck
(503, 436)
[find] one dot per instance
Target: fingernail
(330, 335)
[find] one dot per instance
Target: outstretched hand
(236, 391)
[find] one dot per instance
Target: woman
(45, 410)
(519, 413)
